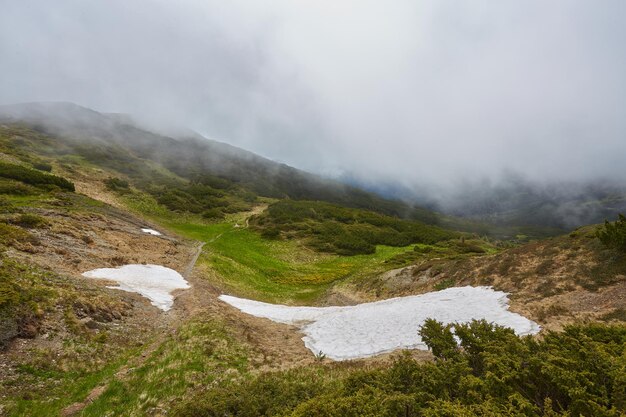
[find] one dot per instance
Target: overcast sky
(406, 91)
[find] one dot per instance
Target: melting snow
(372, 328)
(151, 231)
(154, 282)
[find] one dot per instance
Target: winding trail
(173, 319)
(189, 269)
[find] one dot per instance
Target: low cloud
(426, 95)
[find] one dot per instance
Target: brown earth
(554, 282)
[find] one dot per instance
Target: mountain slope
(100, 137)
(560, 280)
(78, 347)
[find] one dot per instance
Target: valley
(92, 193)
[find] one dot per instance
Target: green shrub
(270, 233)
(43, 166)
(613, 235)
(213, 213)
(439, 339)
(12, 187)
(446, 283)
(33, 177)
(345, 231)
(11, 235)
(424, 249)
(30, 221)
(116, 184)
(489, 372)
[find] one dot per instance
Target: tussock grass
(202, 353)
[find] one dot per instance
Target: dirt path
(173, 319)
(274, 346)
(189, 269)
(254, 212)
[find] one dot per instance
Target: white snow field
(151, 231)
(369, 329)
(154, 282)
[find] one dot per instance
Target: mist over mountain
(510, 201)
(515, 200)
(119, 141)
(423, 95)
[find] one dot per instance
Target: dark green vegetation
(117, 184)
(613, 235)
(577, 372)
(33, 177)
(330, 228)
(60, 129)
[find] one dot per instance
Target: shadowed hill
(98, 137)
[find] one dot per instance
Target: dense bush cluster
(33, 177)
(613, 235)
(577, 372)
(30, 221)
(202, 199)
(342, 230)
(42, 166)
(116, 184)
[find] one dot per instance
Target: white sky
(407, 91)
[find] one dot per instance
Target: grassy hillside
(72, 346)
(553, 281)
(115, 143)
(148, 160)
(344, 231)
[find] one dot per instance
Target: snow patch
(370, 329)
(154, 282)
(151, 231)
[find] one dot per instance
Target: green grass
(241, 262)
(62, 388)
(276, 271)
(200, 354)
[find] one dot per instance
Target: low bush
(15, 236)
(12, 187)
(479, 369)
(30, 221)
(345, 231)
(33, 177)
(199, 199)
(213, 213)
(42, 166)
(613, 235)
(116, 184)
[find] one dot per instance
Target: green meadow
(248, 265)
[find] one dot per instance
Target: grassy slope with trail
(270, 270)
(210, 350)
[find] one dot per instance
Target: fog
(423, 96)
